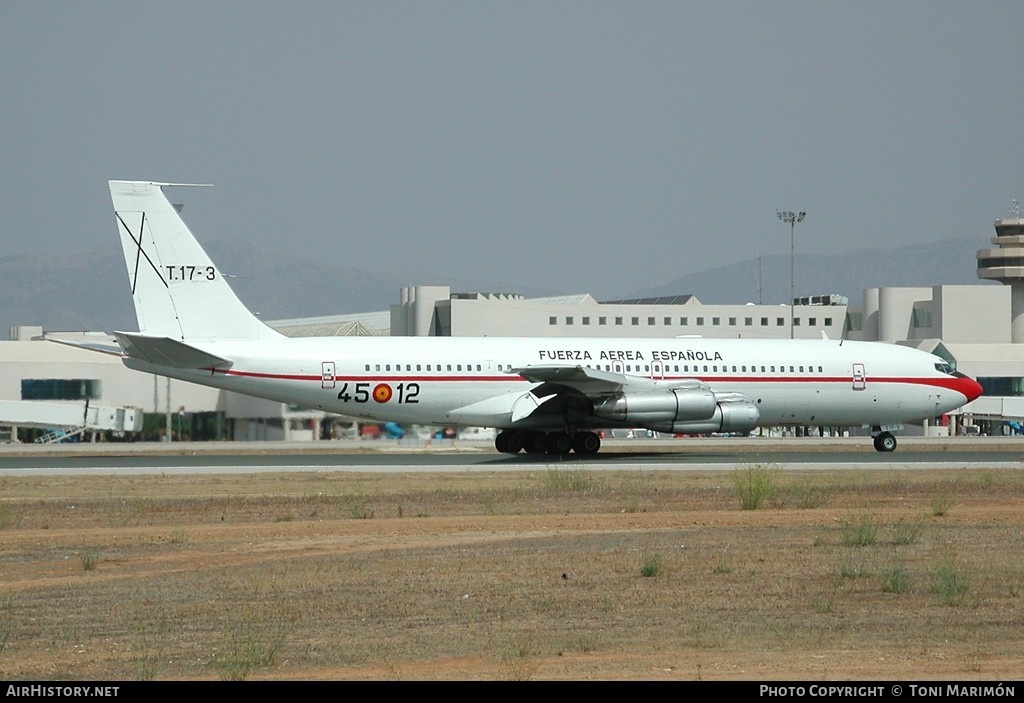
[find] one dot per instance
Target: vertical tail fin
(178, 292)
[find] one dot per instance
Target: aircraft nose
(968, 387)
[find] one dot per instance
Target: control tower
(1006, 264)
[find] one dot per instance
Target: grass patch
(941, 503)
(904, 532)
(853, 570)
(633, 489)
(90, 557)
(722, 567)
(251, 644)
(951, 581)
(896, 580)
(6, 621)
(807, 496)
(151, 625)
(823, 605)
(650, 565)
(359, 508)
(567, 480)
(632, 505)
(518, 659)
(125, 512)
(862, 532)
(755, 485)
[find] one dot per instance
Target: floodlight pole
(792, 218)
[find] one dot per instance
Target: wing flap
(168, 352)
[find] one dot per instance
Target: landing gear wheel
(885, 442)
(535, 442)
(509, 442)
(559, 443)
(586, 443)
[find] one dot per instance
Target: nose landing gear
(885, 442)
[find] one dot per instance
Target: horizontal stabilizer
(168, 352)
(104, 346)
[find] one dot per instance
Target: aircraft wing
(594, 382)
(562, 387)
(587, 397)
(165, 351)
(578, 377)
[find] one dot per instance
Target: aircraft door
(327, 376)
(860, 378)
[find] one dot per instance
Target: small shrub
(253, 643)
(755, 486)
(90, 556)
(359, 509)
(651, 565)
(942, 503)
(518, 661)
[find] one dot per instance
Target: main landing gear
(515, 441)
(885, 442)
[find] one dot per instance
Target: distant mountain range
(89, 290)
(946, 262)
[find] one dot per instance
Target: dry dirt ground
(542, 574)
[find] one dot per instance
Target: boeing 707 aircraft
(541, 394)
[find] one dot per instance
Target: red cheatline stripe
(948, 383)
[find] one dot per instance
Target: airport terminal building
(980, 328)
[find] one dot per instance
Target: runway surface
(462, 456)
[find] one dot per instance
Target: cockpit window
(945, 367)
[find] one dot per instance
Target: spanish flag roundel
(382, 392)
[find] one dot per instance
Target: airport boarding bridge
(65, 421)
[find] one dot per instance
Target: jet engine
(735, 412)
(666, 407)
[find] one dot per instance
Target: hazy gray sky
(581, 146)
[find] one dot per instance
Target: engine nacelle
(666, 407)
(729, 416)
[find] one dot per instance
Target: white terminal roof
(360, 324)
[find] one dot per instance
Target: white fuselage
(477, 381)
